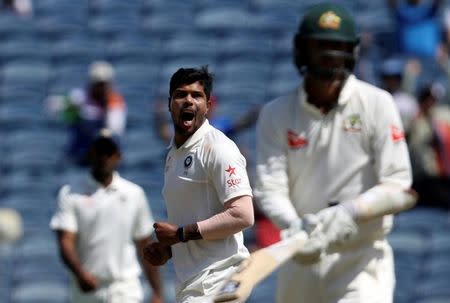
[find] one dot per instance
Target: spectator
(391, 74)
(429, 146)
(369, 55)
(91, 109)
(100, 226)
(418, 18)
(19, 7)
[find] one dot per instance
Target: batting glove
(314, 246)
(338, 227)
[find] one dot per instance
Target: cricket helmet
(330, 22)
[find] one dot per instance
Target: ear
(168, 103)
(117, 157)
(208, 105)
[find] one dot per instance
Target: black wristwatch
(180, 235)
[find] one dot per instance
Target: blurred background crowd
(69, 68)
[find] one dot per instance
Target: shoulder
(278, 110)
(69, 195)
(371, 95)
(128, 186)
(216, 140)
(280, 104)
(216, 145)
(366, 87)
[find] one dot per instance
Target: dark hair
(105, 145)
(184, 76)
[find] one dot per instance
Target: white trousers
(362, 274)
(123, 291)
(203, 287)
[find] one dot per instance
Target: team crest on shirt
(353, 123)
(187, 163)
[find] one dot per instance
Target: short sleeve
(65, 215)
(228, 172)
(144, 219)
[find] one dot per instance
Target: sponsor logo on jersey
(231, 170)
(234, 182)
(330, 20)
(353, 123)
(295, 140)
(397, 134)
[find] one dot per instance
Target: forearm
(153, 278)
(380, 200)
(237, 216)
(70, 258)
(151, 272)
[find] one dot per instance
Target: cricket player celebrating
(207, 195)
(332, 160)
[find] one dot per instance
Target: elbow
(248, 221)
(411, 198)
(243, 218)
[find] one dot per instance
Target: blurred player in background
(88, 110)
(332, 160)
(100, 227)
(206, 191)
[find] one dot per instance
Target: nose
(189, 99)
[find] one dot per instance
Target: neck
(103, 178)
(323, 94)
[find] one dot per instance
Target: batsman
(332, 161)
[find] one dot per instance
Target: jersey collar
(197, 136)
(92, 184)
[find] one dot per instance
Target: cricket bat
(258, 266)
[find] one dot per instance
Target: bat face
(258, 266)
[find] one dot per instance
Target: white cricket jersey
(307, 160)
(106, 220)
(200, 176)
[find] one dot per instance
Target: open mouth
(187, 118)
